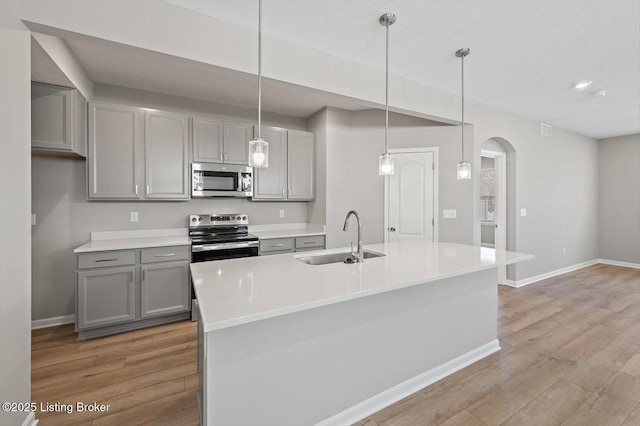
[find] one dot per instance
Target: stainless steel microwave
(221, 180)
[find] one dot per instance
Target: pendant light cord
(386, 93)
(462, 108)
(259, 68)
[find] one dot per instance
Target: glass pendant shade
(385, 164)
(258, 153)
(464, 170)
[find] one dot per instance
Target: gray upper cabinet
(137, 154)
(166, 149)
(270, 183)
(300, 165)
(220, 141)
(290, 175)
(58, 120)
(207, 140)
(114, 145)
(236, 142)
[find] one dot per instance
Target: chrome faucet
(360, 255)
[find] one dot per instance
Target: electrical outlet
(281, 213)
(523, 212)
(564, 250)
(449, 214)
(133, 216)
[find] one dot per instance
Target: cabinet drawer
(309, 242)
(276, 244)
(164, 254)
(104, 259)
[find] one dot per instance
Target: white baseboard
(408, 387)
(551, 274)
(30, 420)
(617, 263)
(511, 283)
(53, 321)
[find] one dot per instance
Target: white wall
(65, 217)
(15, 206)
(619, 198)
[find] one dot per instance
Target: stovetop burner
(219, 228)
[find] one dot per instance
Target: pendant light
(258, 147)
(385, 162)
(464, 167)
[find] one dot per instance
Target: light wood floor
(570, 355)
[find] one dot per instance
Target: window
(488, 195)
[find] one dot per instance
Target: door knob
(392, 229)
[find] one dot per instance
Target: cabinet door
(207, 137)
(166, 152)
(51, 117)
(114, 144)
(106, 296)
(270, 182)
(300, 165)
(236, 142)
(164, 289)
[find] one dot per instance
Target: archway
(498, 211)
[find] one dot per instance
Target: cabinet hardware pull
(147, 189)
(143, 274)
(309, 242)
(107, 260)
(221, 156)
(282, 192)
(165, 255)
(276, 245)
(136, 189)
(226, 156)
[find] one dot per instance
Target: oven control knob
(199, 219)
(193, 219)
(238, 218)
(244, 218)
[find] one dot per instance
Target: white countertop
(239, 291)
(265, 232)
(135, 239)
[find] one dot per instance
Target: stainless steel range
(221, 236)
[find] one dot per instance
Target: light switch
(449, 214)
(281, 213)
(133, 216)
(523, 212)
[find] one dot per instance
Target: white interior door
(410, 197)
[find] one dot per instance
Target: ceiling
(525, 56)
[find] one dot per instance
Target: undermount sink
(344, 257)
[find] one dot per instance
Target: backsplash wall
(65, 218)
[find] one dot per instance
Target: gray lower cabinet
(164, 289)
(58, 120)
(291, 244)
(106, 296)
(123, 290)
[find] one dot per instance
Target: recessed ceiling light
(583, 84)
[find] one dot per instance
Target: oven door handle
(223, 246)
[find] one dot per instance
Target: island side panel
(305, 367)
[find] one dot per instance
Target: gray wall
(65, 218)
(15, 205)
(619, 198)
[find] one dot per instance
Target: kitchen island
(287, 343)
